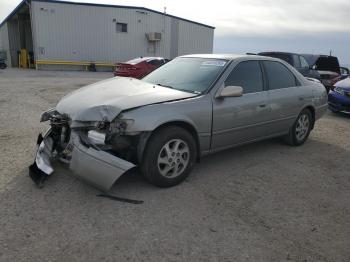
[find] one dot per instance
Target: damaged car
(164, 123)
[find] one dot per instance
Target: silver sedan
(164, 123)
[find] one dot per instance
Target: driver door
(237, 120)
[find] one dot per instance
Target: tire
(301, 129)
(169, 156)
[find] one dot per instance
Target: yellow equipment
(23, 59)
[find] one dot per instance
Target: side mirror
(231, 91)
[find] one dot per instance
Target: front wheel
(169, 156)
(301, 129)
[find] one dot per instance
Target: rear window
(156, 62)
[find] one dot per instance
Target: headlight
(339, 90)
(120, 125)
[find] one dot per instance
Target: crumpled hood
(107, 98)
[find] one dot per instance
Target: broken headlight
(119, 125)
(47, 115)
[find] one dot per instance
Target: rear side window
(278, 75)
(248, 75)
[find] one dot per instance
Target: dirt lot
(261, 202)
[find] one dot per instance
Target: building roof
(23, 2)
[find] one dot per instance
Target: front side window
(189, 74)
(278, 75)
(247, 75)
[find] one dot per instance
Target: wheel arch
(312, 110)
(179, 123)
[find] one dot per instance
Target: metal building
(68, 35)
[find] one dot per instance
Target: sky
(312, 26)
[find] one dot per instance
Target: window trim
(297, 82)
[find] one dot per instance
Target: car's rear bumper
(97, 167)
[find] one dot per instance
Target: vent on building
(153, 37)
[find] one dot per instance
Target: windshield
(193, 75)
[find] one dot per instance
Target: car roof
(232, 57)
(277, 52)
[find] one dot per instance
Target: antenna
(164, 9)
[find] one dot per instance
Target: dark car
(139, 67)
(297, 61)
(327, 67)
(339, 97)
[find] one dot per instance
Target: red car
(139, 67)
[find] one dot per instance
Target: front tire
(301, 129)
(169, 156)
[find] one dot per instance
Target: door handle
(262, 105)
(301, 98)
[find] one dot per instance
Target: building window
(122, 27)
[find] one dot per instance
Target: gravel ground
(262, 202)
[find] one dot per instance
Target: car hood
(344, 84)
(106, 99)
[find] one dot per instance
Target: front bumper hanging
(97, 167)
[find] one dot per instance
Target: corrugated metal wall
(4, 42)
(78, 32)
(194, 39)
(14, 40)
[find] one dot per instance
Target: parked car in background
(297, 61)
(327, 67)
(339, 97)
(190, 107)
(139, 67)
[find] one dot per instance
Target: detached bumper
(96, 167)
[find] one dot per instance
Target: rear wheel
(169, 156)
(301, 129)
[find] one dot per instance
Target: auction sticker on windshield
(214, 63)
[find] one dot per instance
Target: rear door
(286, 96)
(241, 119)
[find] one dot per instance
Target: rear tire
(301, 129)
(169, 156)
